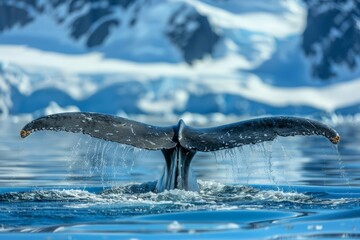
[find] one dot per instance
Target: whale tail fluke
(179, 143)
(141, 135)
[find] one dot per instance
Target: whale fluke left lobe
(107, 127)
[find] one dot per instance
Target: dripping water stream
(97, 160)
(343, 173)
(265, 163)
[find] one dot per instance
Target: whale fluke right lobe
(253, 131)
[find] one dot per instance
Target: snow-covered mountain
(173, 57)
(332, 36)
(136, 30)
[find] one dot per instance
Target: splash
(228, 203)
(212, 195)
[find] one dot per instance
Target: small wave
(49, 196)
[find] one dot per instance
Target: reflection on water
(71, 183)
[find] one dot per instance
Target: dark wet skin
(179, 143)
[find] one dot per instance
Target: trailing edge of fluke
(179, 143)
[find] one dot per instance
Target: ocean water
(70, 186)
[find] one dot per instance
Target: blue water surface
(70, 186)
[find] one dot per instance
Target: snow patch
(54, 108)
(276, 25)
(327, 98)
